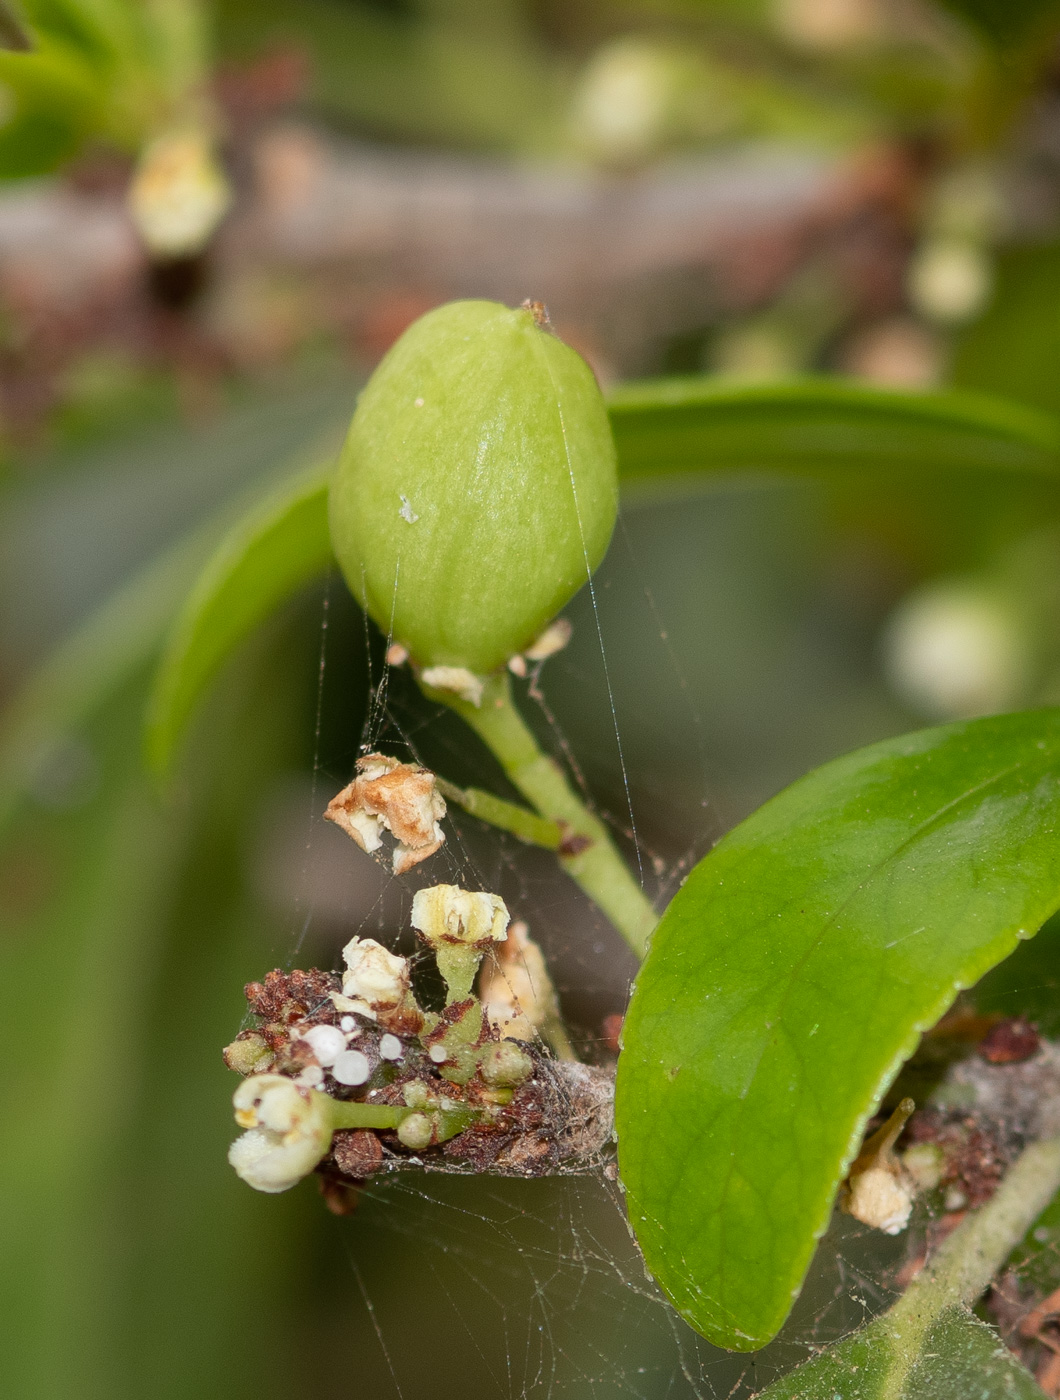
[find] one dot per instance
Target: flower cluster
(368, 1058)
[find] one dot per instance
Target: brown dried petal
(358, 1153)
(396, 797)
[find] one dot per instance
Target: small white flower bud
(950, 279)
(375, 976)
(448, 914)
(289, 1130)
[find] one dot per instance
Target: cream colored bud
(179, 193)
(416, 1131)
(950, 279)
(458, 679)
(515, 988)
(923, 1163)
(374, 975)
(504, 1066)
(448, 914)
(289, 1129)
(878, 1191)
(957, 648)
(387, 795)
(880, 1197)
(248, 1054)
(553, 639)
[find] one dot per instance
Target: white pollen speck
(406, 512)
(438, 1054)
(348, 1023)
(419, 403)
(311, 1075)
(326, 1042)
(351, 1067)
(391, 1048)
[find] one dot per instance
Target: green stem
(521, 822)
(969, 1258)
(587, 852)
(365, 1115)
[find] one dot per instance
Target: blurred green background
(214, 219)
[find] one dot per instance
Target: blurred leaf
(1014, 347)
(452, 81)
(115, 70)
(55, 104)
(273, 551)
(956, 1358)
(73, 1075)
(839, 921)
(86, 668)
(1006, 22)
(672, 428)
(13, 33)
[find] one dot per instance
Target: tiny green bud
(249, 1053)
(416, 1131)
(415, 1094)
(504, 1065)
(477, 488)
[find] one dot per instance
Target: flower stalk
(587, 852)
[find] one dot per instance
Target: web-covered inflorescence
(350, 1076)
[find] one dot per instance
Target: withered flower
(373, 975)
(879, 1191)
(516, 991)
(448, 914)
(459, 925)
(387, 795)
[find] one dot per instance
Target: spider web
(501, 1288)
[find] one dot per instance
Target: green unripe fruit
(477, 487)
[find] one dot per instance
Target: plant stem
(966, 1262)
(365, 1115)
(587, 852)
(521, 822)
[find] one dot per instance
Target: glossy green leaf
(273, 551)
(958, 1357)
(792, 975)
(677, 427)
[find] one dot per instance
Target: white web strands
(512, 1288)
